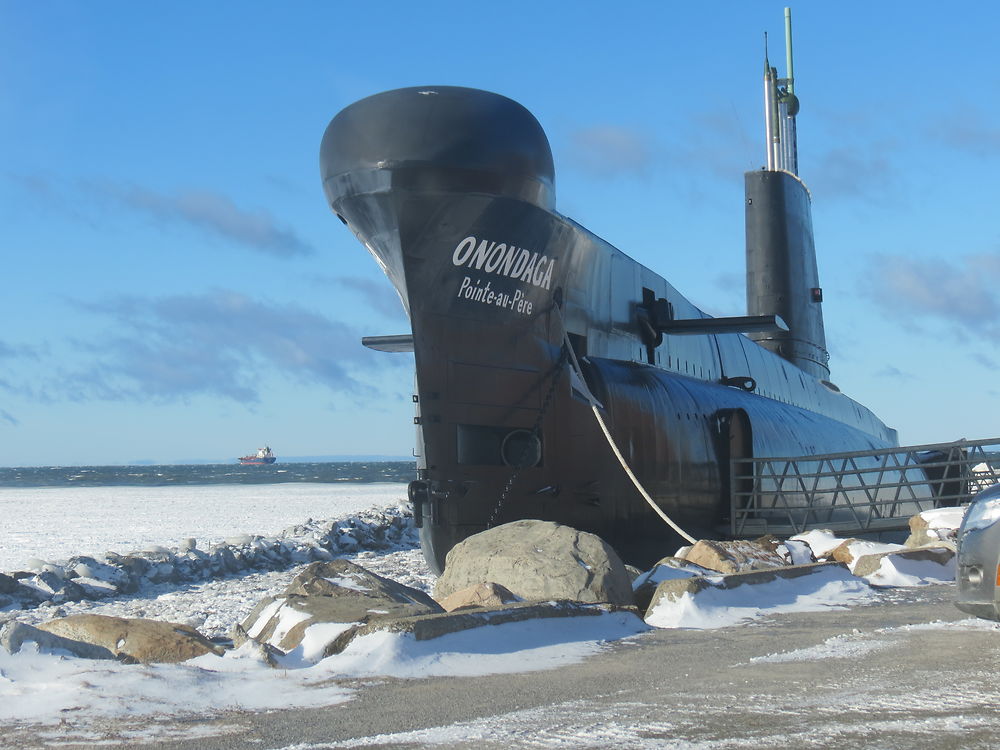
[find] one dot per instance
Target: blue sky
(174, 286)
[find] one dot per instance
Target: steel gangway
(857, 492)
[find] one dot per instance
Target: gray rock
(224, 559)
(134, 567)
(95, 588)
(25, 591)
(538, 561)
(146, 641)
(56, 588)
(8, 584)
(13, 635)
(162, 572)
(56, 570)
(481, 595)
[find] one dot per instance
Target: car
(978, 573)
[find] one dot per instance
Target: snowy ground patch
(527, 646)
(857, 644)
(50, 688)
(853, 646)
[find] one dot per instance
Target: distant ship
(263, 456)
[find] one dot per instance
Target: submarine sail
(525, 325)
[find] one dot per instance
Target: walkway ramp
(858, 492)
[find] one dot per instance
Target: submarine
(556, 378)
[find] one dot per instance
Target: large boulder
(736, 556)
(538, 561)
(13, 636)
(326, 601)
(146, 641)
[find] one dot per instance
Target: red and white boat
(263, 456)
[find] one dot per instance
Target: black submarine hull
(452, 191)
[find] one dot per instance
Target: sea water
(54, 513)
(231, 473)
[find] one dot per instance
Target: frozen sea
(52, 523)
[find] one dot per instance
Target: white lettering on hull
(476, 291)
(502, 259)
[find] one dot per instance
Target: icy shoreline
(154, 582)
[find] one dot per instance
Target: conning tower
(782, 278)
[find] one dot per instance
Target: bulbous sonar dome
(454, 138)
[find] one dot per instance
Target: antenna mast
(780, 108)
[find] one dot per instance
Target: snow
(856, 645)
(899, 571)
(797, 552)
(861, 547)
(714, 607)
(948, 519)
(349, 581)
(53, 525)
(670, 570)
(526, 646)
(48, 688)
(821, 541)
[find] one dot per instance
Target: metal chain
(563, 356)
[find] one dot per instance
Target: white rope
(594, 403)
(635, 481)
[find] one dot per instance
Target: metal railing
(861, 491)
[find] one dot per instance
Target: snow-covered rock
(908, 567)
(86, 577)
(933, 526)
(736, 556)
(667, 569)
(318, 611)
(851, 550)
(820, 541)
(724, 600)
